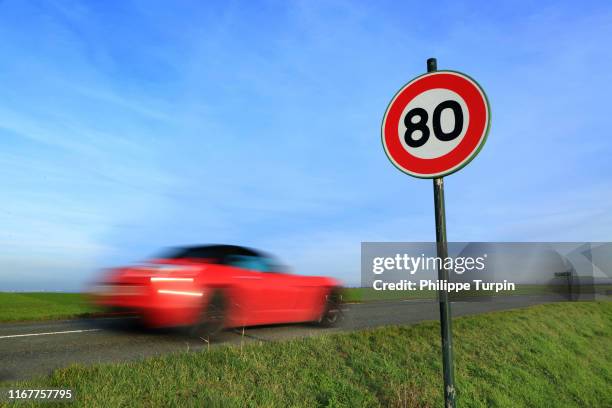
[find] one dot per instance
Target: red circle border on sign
(473, 140)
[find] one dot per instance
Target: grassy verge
(369, 294)
(42, 306)
(548, 355)
(35, 306)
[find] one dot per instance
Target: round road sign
(436, 124)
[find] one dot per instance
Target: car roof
(216, 251)
(223, 249)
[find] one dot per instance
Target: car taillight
(169, 279)
(180, 292)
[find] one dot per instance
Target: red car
(217, 286)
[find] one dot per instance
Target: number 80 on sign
(436, 124)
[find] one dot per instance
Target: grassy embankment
(42, 306)
(369, 294)
(47, 305)
(548, 355)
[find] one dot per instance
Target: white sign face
(449, 120)
(436, 124)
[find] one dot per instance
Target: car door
(273, 294)
(281, 296)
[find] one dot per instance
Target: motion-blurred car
(218, 286)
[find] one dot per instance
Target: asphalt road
(32, 349)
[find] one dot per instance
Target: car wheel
(332, 314)
(212, 317)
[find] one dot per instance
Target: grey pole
(445, 311)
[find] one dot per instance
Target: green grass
(369, 294)
(555, 355)
(35, 306)
(42, 306)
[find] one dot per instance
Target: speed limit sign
(436, 124)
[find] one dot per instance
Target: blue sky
(127, 126)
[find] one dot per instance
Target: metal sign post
(445, 309)
(434, 126)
